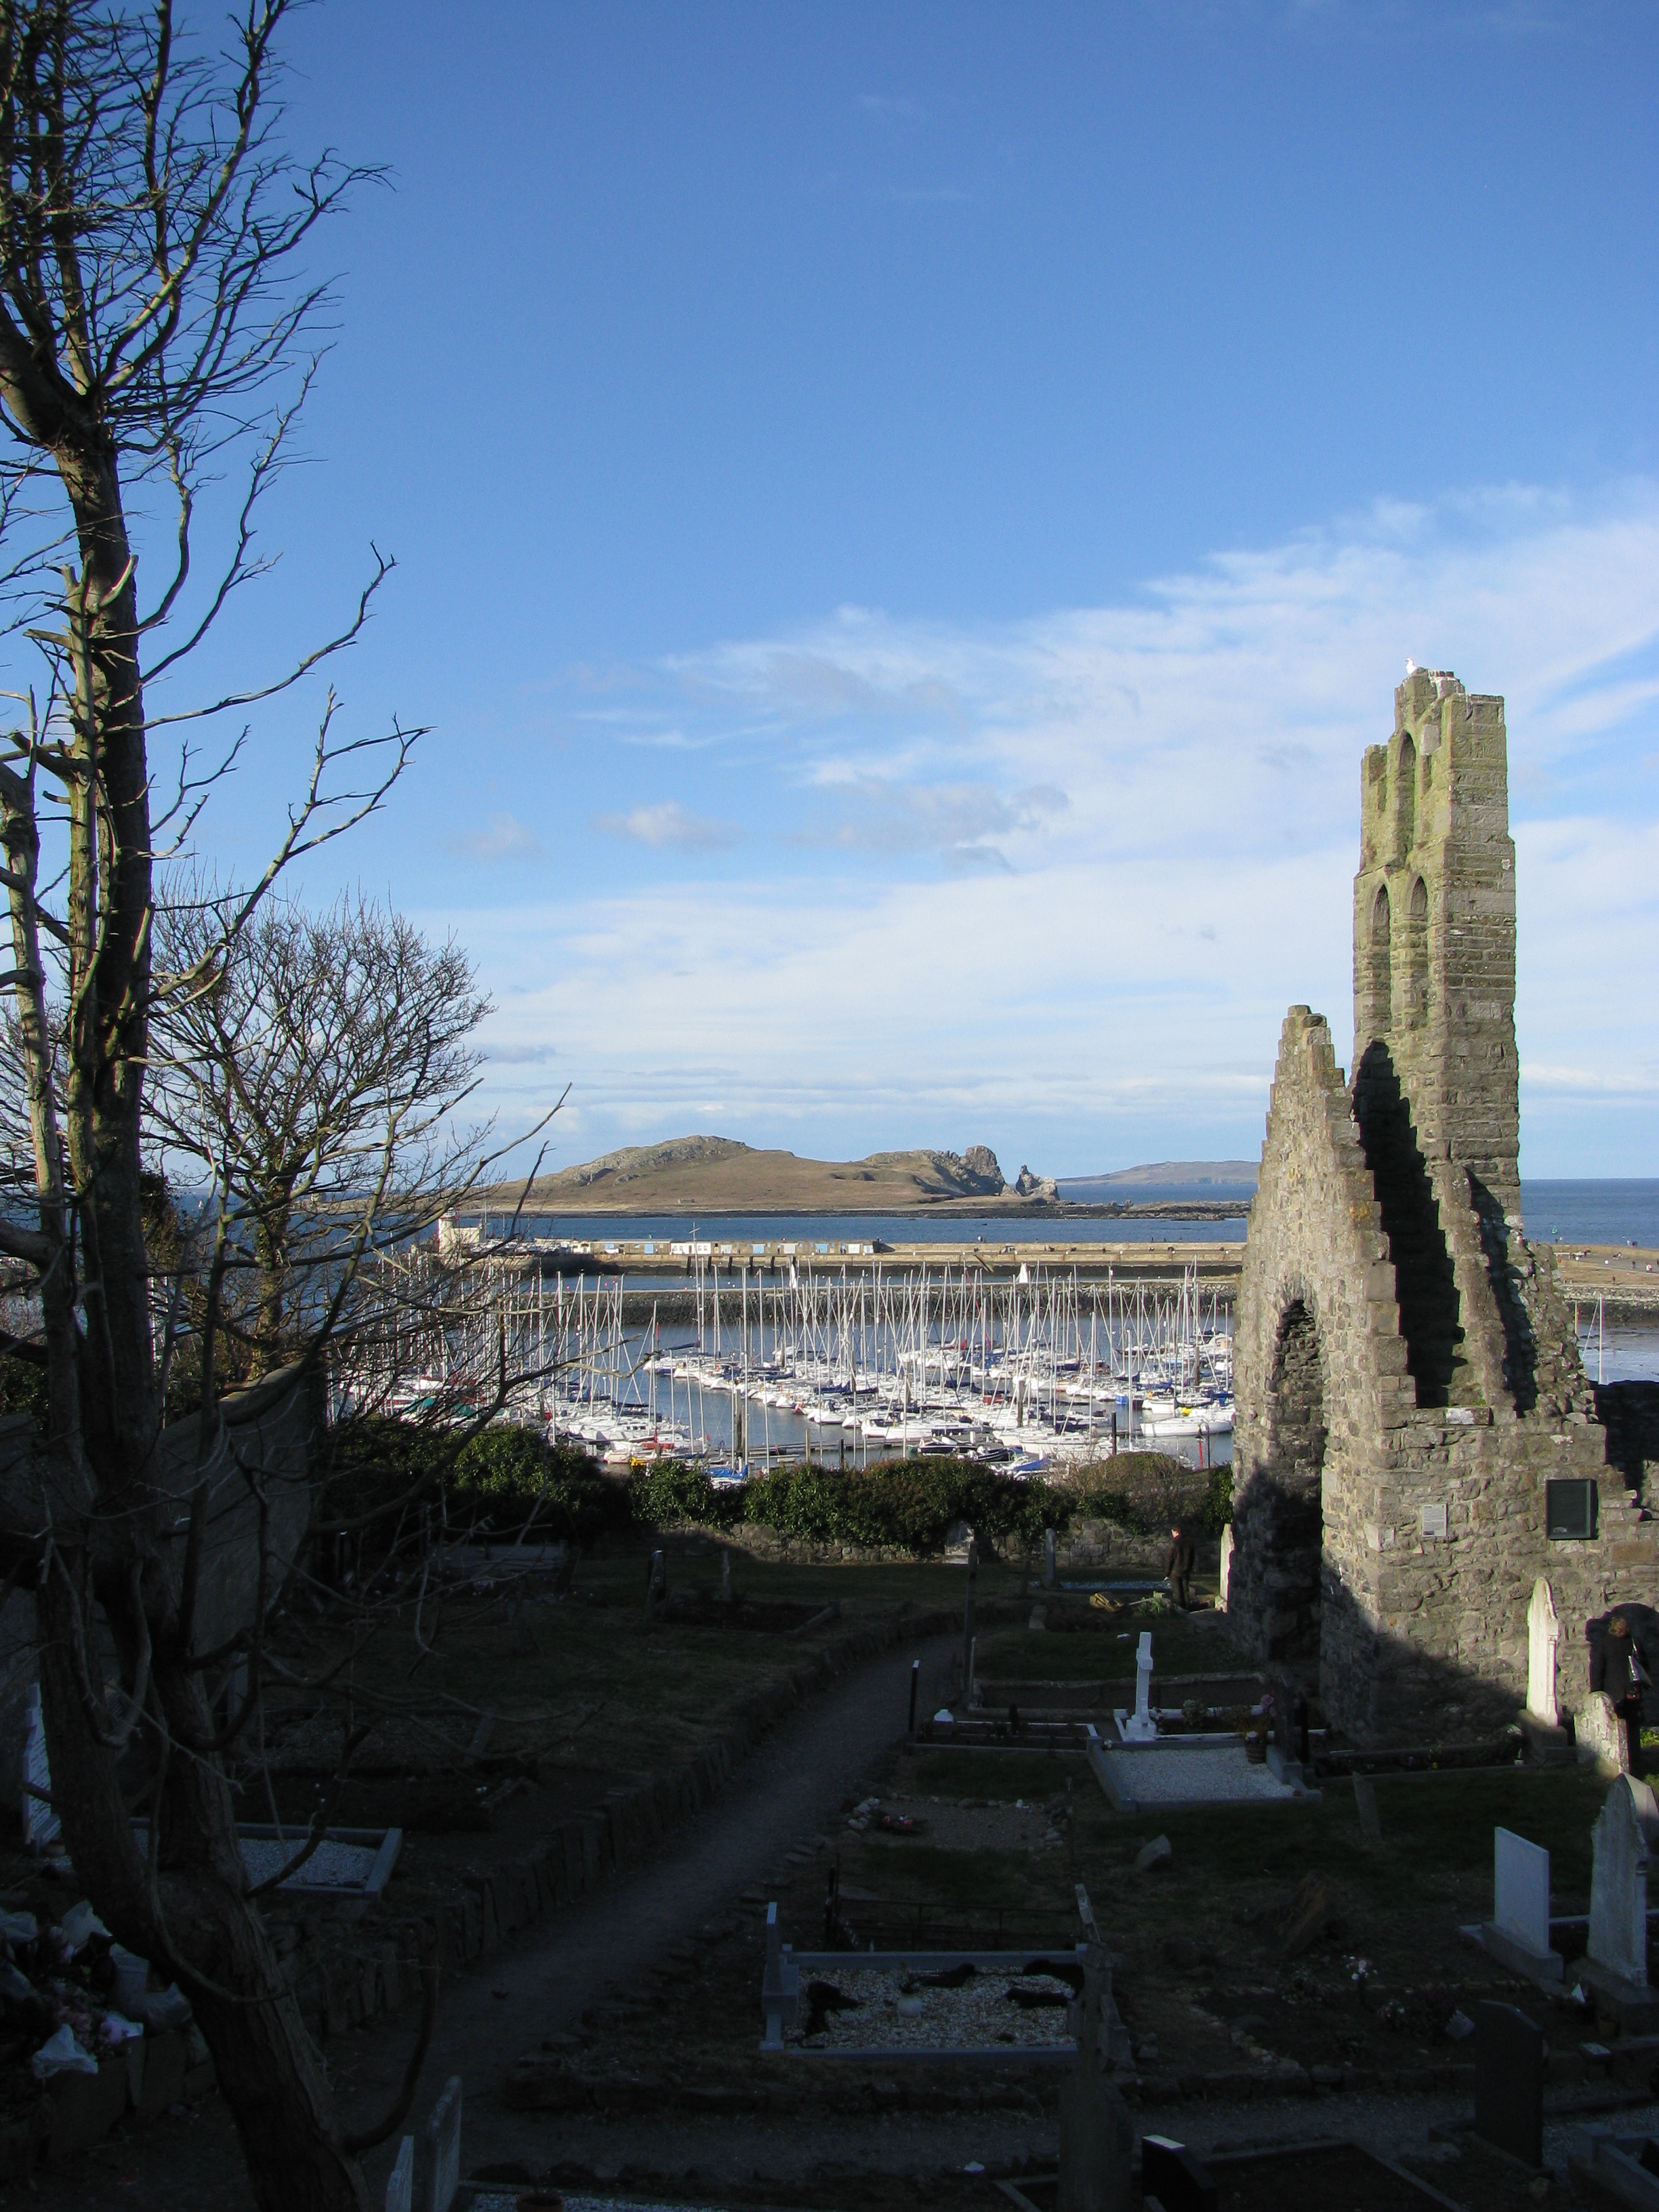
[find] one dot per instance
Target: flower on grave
(1358, 1968)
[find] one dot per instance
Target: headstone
(1226, 1572)
(400, 2186)
(1096, 2137)
(1600, 1735)
(443, 2149)
(1049, 1559)
(1518, 1932)
(1177, 2176)
(725, 1579)
(779, 1983)
(1140, 1727)
(41, 1821)
(1543, 1634)
(1364, 1798)
(1308, 1918)
(1625, 1833)
(656, 1584)
(1508, 2082)
(1521, 1888)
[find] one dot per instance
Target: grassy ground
(1101, 1647)
(1201, 1970)
(586, 1679)
(1000, 1777)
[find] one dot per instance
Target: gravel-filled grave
(894, 2010)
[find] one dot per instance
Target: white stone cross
(1625, 1833)
(1543, 1634)
(1226, 1575)
(1141, 1727)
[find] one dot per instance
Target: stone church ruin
(1417, 1441)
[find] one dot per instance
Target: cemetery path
(785, 1793)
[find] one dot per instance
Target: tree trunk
(195, 1916)
(195, 1920)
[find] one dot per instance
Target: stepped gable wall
(1407, 1376)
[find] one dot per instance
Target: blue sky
(906, 518)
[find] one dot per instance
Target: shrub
(1218, 1503)
(907, 1504)
(508, 1476)
(377, 1468)
(669, 1491)
(1146, 1492)
(497, 1481)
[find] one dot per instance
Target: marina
(1030, 1368)
(747, 1341)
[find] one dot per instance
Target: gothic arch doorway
(1296, 1429)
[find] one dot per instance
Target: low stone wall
(1088, 1545)
(779, 1549)
(1093, 1546)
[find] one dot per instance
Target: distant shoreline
(500, 1201)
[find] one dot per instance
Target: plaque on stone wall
(1570, 1509)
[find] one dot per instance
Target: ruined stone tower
(1436, 1077)
(1416, 1440)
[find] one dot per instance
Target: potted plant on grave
(1259, 1734)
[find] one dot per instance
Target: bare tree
(154, 332)
(309, 1088)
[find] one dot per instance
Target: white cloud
(1174, 782)
(502, 838)
(668, 823)
(881, 814)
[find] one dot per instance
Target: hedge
(908, 1505)
(507, 1477)
(498, 1481)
